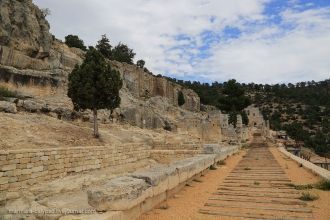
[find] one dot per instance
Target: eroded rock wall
(24, 28)
(144, 84)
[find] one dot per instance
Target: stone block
(157, 177)
(37, 169)
(26, 171)
(19, 156)
(8, 167)
(112, 215)
(152, 202)
(24, 160)
(4, 180)
(122, 193)
(184, 168)
(17, 172)
(44, 158)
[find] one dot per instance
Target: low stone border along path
(256, 188)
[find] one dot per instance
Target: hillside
(302, 110)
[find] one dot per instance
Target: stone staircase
(256, 188)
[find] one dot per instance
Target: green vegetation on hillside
(302, 110)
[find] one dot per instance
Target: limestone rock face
(36, 65)
(23, 27)
(144, 84)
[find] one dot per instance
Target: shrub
(4, 92)
(323, 185)
(306, 196)
(75, 41)
(122, 53)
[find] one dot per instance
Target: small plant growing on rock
(221, 162)
(212, 167)
(140, 63)
(323, 185)
(4, 92)
(307, 196)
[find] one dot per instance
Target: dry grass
(307, 196)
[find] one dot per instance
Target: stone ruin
(119, 181)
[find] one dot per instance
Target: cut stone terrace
(256, 188)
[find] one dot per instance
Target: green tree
(233, 118)
(104, 47)
(94, 85)
(140, 63)
(122, 53)
(233, 98)
(245, 118)
(181, 99)
(75, 41)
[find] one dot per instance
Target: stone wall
(169, 156)
(127, 197)
(255, 117)
(20, 168)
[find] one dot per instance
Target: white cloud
(262, 53)
(300, 54)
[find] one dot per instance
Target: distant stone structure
(255, 117)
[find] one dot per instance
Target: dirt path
(255, 184)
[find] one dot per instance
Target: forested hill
(301, 109)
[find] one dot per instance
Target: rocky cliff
(24, 28)
(36, 64)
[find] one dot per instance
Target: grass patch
(4, 92)
(247, 168)
(323, 185)
(221, 162)
(212, 167)
(307, 196)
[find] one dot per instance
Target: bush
(75, 41)
(323, 185)
(122, 53)
(140, 63)
(4, 92)
(167, 126)
(306, 196)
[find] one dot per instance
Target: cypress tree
(94, 85)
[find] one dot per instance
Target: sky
(261, 41)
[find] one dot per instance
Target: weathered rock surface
(144, 84)
(120, 193)
(23, 27)
(7, 107)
